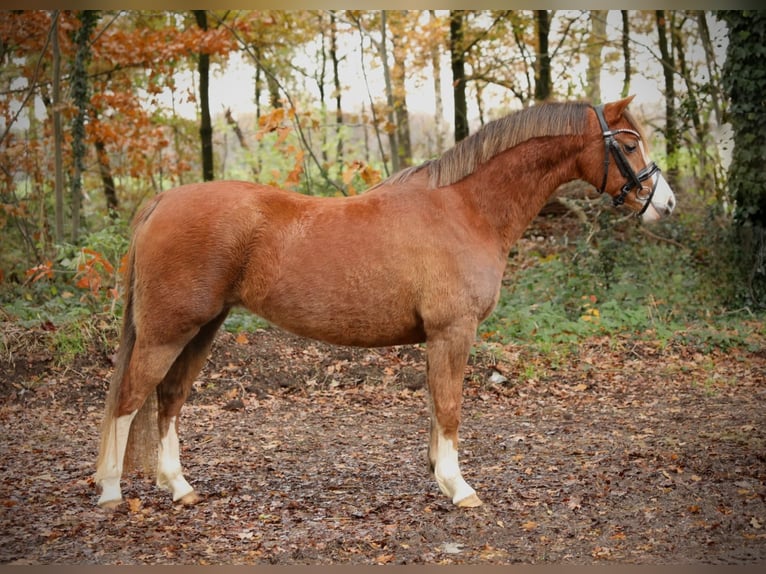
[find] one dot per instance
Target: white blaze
(663, 199)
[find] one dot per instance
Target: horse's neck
(512, 188)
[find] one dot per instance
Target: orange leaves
(276, 121)
(144, 45)
(42, 271)
(93, 273)
(91, 270)
(369, 175)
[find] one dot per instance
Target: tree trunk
(206, 125)
(79, 90)
(543, 61)
(235, 128)
(695, 145)
(716, 91)
(593, 50)
(692, 107)
(258, 90)
(105, 170)
(744, 78)
(321, 87)
(438, 104)
(393, 142)
(57, 135)
(668, 70)
(626, 53)
(458, 74)
(337, 86)
(404, 149)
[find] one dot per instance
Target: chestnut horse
(418, 258)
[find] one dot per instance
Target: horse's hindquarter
(378, 269)
(191, 246)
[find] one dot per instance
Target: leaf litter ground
(305, 453)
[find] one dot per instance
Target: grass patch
(240, 320)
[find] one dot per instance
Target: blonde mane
(549, 119)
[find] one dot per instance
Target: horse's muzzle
(662, 201)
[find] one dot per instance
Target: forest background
(101, 110)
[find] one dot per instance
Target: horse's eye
(629, 147)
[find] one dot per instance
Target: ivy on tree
(744, 79)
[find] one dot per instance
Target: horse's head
(617, 162)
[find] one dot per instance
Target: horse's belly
(333, 322)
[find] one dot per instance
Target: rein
(634, 180)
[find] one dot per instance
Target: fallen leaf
(617, 536)
(134, 504)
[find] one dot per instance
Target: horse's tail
(141, 451)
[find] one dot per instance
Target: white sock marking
(109, 473)
(169, 473)
(447, 470)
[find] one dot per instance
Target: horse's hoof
(110, 505)
(189, 499)
(470, 501)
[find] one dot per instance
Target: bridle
(634, 180)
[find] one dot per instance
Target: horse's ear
(614, 110)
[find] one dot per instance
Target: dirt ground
(305, 453)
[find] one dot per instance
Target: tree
(594, 49)
(88, 19)
(337, 86)
(206, 125)
(668, 73)
(458, 54)
(435, 56)
(626, 53)
(393, 133)
(744, 79)
(400, 22)
(57, 133)
(543, 59)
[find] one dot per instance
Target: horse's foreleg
(447, 354)
(172, 394)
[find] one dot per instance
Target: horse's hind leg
(171, 395)
(146, 367)
(447, 353)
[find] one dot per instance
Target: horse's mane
(549, 119)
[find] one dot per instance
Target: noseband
(634, 180)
